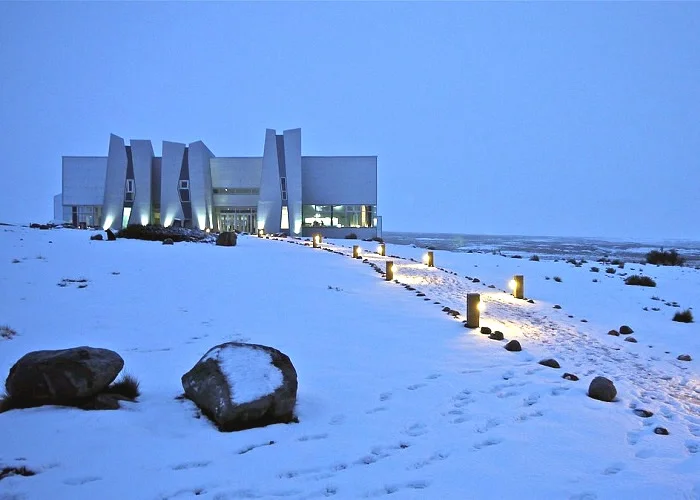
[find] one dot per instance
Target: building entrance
(243, 220)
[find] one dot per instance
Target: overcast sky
(546, 118)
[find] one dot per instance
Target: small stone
(557, 306)
(570, 376)
(513, 346)
(96, 237)
(496, 335)
(552, 363)
(614, 332)
(168, 241)
(584, 321)
(661, 431)
(420, 294)
(684, 357)
(625, 330)
(631, 339)
(531, 301)
(476, 280)
(643, 413)
(485, 330)
(445, 309)
(602, 389)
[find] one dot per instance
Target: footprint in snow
(614, 469)
(487, 443)
(417, 429)
(313, 437)
(193, 465)
(692, 446)
(433, 376)
(559, 390)
(77, 481)
(376, 410)
(531, 399)
(385, 396)
(337, 419)
(415, 386)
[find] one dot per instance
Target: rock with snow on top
(684, 357)
(602, 389)
(570, 376)
(241, 386)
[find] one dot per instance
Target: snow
(249, 372)
(395, 397)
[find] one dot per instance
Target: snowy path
(669, 385)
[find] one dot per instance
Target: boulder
(62, 376)
(110, 235)
(227, 239)
(631, 339)
(485, 330)
(662, 431)
(615, 333)
(684, 357)
(570, 376)
(643, 413)
(625, 330)
(168, 241)
(496, 335)
(96, 237)
(241, 386)
(513, 346)
(552, 363)
(602, 389)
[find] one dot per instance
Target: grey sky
(497, 118)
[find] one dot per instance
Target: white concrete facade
(282, 191)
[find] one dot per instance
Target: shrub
(535, 258)
(640, 281)
(15, 471)
(351, 236)
(127, 386)
(595, 269)
(160, 233)
(683, 317)
(665, 258)
(557, 279)
(617, 262)
(6, 332)
(610, 270)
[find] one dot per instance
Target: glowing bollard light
(517, 285)
(389, 270)
(317, 240)
(261, 233)
(381, 250)
(356, 252)
(474, 307)
(429, 259)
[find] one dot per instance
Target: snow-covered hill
(395, 396)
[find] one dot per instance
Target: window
(129, 194)
(284, 224)
(184, 184)
(283, 188)
(238, 191)
(338, 215)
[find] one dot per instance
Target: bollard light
(317, 240)
(261, 233)
(517, 285)
(381, 250)
(474, 307)
(430, 259)
(389, 270)
(356, 252)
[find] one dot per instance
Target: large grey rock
(227, 239)
(513, 346)
(240, 386)
(62, 376)
(550, 362)
(602, 389)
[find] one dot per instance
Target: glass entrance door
(236, 219)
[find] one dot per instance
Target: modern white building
(281, 191)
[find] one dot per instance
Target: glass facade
(338, 215)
